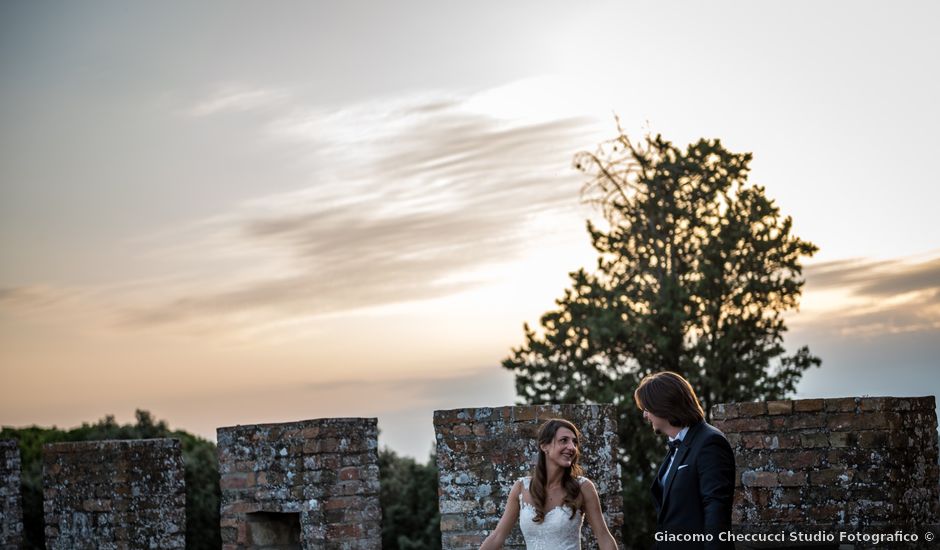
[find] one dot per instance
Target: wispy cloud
(31, 296)
(869, 297)
(408, 196)
(237, 98)
(406, 201)
(42, 297)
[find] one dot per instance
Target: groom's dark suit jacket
(699, 491)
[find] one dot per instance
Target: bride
(552, 503)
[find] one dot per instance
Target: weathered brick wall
(858, 462)
(316, 480)
(114, 494)
(11, 508)
(482, 452)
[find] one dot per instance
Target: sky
(239, 212)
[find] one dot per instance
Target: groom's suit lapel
(656, 488)
(680, 458)
(662, 466)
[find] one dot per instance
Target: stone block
(11, 506)
(725, 411)
(779, 407)
(805, 421)
(752, 478)
(114, 494)
(843, 439)
(751, 409)
(837, 462)
(842, 404)
(874, 439)
(741, 425)
(814, 440)
(808, 405)
(790, 478)
(314, 483)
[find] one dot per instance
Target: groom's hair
(669, 396)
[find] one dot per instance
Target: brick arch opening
(273, 531)
(310, 483)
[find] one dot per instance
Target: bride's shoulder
(521, 483)
(586, 483)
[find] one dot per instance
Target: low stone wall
(114, 494)
(11, 507)
(310, 484)
(481, 452)
(850, 462)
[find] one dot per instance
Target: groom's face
(658, 423)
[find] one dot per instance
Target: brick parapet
(114, 494)
(481, 452)
(11, 504)
(855, 461)
(325, 471)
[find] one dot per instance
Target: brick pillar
(114, 494)
(481, 452)
(319, 478)
(11, 507)
(835, 463)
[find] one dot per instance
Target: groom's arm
(716, 485)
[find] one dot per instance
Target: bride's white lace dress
(557, 531)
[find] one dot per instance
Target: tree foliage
(410, 517)
(199, 458)
(696, 268)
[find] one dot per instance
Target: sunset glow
(298, 213)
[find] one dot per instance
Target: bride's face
(563, 450)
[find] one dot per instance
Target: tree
(201, 473)
(695, 270)
(410, 517)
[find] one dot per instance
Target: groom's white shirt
(679, 437)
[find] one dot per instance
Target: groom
(694, 488)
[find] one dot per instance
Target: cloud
(30, 296)
(40, 297)
(869, 297)
(408, 198)
(877, 334)
(236, 98)
(916, 278)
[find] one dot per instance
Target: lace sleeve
(525, 485)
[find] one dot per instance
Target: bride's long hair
(569, 477)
